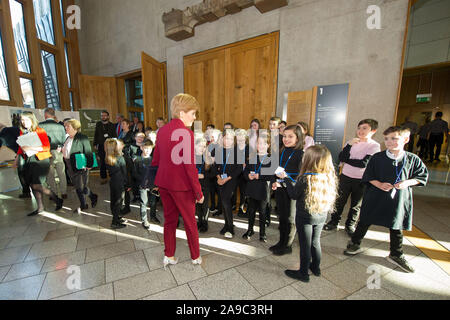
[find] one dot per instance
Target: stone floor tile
(23, 289)
(4, 271)
(265, 275)
(125, 266)
(11, 232)
(154, 257)
(95, 239)
(182, 292)
(41, 227)
(347, 275)
(4, 243)
(186, 271)
(24, 270)
(222, 260)
(58, 283)
(366, 294)
(27, 239)
(143, 285)
(104, 292)
(63, 261)
(319, 288)
(285, 293)
(52, 248)
(88, 228)
(60, 234)
(226, 285)
(13, 255)
(109, 250)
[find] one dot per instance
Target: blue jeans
(309, 238)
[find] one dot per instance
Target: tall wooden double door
(108, 93)
(235, 83)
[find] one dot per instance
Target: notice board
(331, 117)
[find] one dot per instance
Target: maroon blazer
(171, 176)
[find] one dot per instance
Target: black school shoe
(35, 213)
(315, 272)
(59, 204)
(281, 251)
(94, 200)
(263, 238)
(295, 274)
(248, 234)
(117, 225)
(330, 226)
(275, 247)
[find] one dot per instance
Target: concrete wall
(429, 33)
(321, 42)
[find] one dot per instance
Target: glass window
(67, 65)
(61, 6)
(20, 38)
(4, 89)
(133, 88)
(50, 80)
(27, 93)
(44, 22)
(71, 100)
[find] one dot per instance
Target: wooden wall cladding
(99, 93)
(436, 82)
(235, 83)
(299, 108)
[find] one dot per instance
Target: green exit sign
(423, 98)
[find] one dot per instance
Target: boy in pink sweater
(355, 156)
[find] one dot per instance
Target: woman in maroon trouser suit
(177, 176)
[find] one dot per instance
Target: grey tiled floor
(36, 255)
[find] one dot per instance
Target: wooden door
(99, 93)
(235, 83)
(204, 79)
(154, 89)
(251, 81)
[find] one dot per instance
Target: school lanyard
(226, 161)
(282, 155)
(398, 174)
(259, 169)
(200, 169)
(310, 174)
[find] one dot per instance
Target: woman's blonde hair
(75, 124)
(113, 149)
(318, 171)
(30, 115)
(183, 102)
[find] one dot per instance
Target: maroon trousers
(174, 204)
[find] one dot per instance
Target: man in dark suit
(119, 130)
(103, 130)
(57, 136)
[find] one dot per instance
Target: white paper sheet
(29, 140)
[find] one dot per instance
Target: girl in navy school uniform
(290, 160)
(315, 192)
(258, 177)
(203, 163)
(227, 171)
(119, 182)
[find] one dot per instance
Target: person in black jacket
(144, 176)
(119, 182)
(8, 138)
(227, 171)
(203, 163)
(243, 152)
(128, 141)
(315, 192)
(78, 143)
(103, 130)
(57, 136)
(257, 188)
(290, 160)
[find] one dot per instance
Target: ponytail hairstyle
(300, 138)
(318, 171)
(113, 150)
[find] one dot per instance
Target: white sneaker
(167, 261)
(197, 261)
(228, 235)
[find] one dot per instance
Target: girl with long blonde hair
(119, 182)
(315, 191)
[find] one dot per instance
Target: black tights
(38, 191)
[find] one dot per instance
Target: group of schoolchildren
(304, 184)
